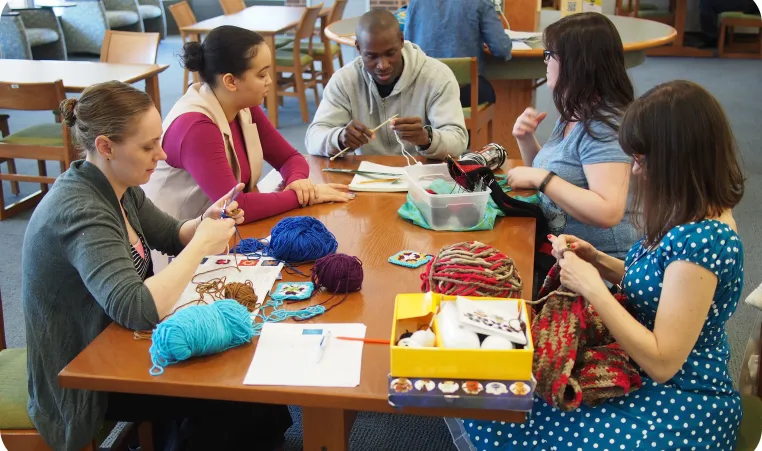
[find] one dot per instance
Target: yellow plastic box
(438, 362)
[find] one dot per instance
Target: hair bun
(67, 111)
(193, 56)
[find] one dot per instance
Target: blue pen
(322, 346)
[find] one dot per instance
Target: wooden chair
(232, 6)
(5, 131)
(184, 17)
(726, 47)
(298, 64)
(43, 142)
(477, 116)
(751, 423)
(649, 11)
(129, 47)
(333, 51)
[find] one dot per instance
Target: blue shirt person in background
(581, 171)
(456, 29)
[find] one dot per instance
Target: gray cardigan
(77, 277)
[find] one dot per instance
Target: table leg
(152, 89)
(272, 98)
(512, 98)
(327, 429)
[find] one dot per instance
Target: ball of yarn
(301, 239)
(338, 273)
(472, 268)
(199, 330)
(243, 293)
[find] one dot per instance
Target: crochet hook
(380, 181)
(372, 131)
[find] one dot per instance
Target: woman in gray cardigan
(95, 229)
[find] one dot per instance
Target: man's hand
(411, 129)
(355, 135)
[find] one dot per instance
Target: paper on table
(384, 187)
(519, 45)
(523, 35)
(287, 354)
(261, 272)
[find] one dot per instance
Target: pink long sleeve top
(193, 142)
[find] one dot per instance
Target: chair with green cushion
(42, 142)
(466, 72)
(5, 131)
(727, 47)
(334, 50)
(650, 11)
(297, 64)
(751, 423)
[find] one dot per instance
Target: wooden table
(267, 21)
(78, 75)
(514, 80)
(367, 227)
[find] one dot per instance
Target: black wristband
(545, 181)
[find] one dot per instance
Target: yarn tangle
(337, 273)
(199, 330)
(576, 358)
(301, 239)
(243, 293)
(472, 268)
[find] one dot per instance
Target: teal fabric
(410, 212)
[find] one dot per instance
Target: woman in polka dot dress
(682, 280)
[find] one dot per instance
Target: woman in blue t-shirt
(581, 172)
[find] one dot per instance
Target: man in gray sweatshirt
(391, 76)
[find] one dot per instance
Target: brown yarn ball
(243, 293)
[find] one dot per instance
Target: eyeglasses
(548, 54)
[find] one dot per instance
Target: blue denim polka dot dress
(697, 409)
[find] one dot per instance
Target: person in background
(682, 282)
(390, 77)
(709, 15)
(459, 28)
(581, 171)
(216, 135)
(97, 228)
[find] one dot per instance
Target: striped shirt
(140, 260)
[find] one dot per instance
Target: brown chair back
(337, 11)
(232, 6)
(129, 47)
(32, 96)
(183, 14)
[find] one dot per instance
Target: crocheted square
(294, 291)
(410, 259)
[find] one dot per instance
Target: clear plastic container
(457, 211)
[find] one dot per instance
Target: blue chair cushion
(149, 11)
(40, 36)
(119, 19)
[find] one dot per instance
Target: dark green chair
(726, 47)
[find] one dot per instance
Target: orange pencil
(367, 340)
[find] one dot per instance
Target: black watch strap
(545, 181)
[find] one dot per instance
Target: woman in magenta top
(214, 138)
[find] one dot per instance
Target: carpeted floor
(734, 82)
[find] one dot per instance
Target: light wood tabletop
(78, 75)
(367, 227)
(267, 21)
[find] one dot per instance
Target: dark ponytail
(225, 50)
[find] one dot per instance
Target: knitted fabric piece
(293, 291)
(576, 358)
(410, 259)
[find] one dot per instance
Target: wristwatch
(431, 136)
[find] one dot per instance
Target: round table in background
(514, 80)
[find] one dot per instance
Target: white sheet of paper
(288, 356)
(523, 35)
(519, 45)
(262, 277)
(385, 187)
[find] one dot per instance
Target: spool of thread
(199, 330)
(301, 239)
(243, 293)
(472, 268)
(338, 273)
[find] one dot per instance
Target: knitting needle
(372, 131)
(375, 341)
(379, 181)
(358, 172)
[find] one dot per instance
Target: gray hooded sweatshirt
(427, 89)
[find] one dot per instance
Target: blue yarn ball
(200, 330)
(301, 239)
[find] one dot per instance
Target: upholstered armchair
(32, 34)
